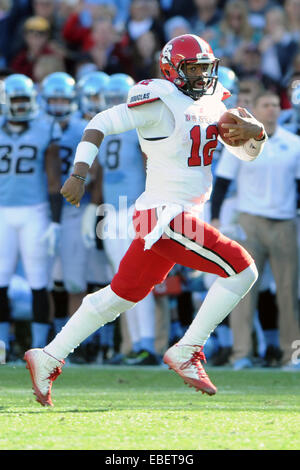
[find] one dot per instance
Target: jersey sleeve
(123, 118)
(148, 91)
(142, 93)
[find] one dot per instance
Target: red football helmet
(187, 49)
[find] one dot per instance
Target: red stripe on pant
(140, 270)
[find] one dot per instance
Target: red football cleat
(44, 369)
(186, 360)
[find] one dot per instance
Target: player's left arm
(114, 120)
(53, 171)
(247, 128)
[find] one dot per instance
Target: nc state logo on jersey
(166, 53)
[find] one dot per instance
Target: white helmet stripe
(202, 44)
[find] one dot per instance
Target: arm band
(56, 201)
(86, 152)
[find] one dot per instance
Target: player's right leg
(197, 245)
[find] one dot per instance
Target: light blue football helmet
(117, 89)
(20, 103)
(91, 92)
(56, 87)
(229, 80)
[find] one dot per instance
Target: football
(228, 118)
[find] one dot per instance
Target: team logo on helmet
(166, 53)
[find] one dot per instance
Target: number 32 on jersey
(197, 159)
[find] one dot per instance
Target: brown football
(228, 118)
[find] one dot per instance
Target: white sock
(96, 310)
(146, 317)
(222, 297)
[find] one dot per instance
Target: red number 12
(209, 147)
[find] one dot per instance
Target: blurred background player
(267, 202)
(123, 180)
(69, 270)
(91, 101)
(29, 181)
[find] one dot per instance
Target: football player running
(29, 181)
(176, 119)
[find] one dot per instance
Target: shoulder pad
(221, 92)
(148, 91)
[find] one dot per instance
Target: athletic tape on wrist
(86, 152)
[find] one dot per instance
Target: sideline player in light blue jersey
(91, 101)
(58, 91)
(123, 180)
(91, 94)
(29, 181)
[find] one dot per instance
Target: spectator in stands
(171, 8)
(49, 9)
(296, 64)
(207, 15)
(106, 51)
(47, 64)
(36, 36)
(90, 32)
(77, 29)
(144, 50)
(11, 27)
(257, 13)
(278, 48)
(176, 26)
(292, 10)
(266, 201)
(249, 88)
(234, 30)
(5, 6)
(56, 12)
(144, 16)
(247, 61)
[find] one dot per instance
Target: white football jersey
(178, 136)
(179, 166)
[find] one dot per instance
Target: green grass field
(150, 408)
